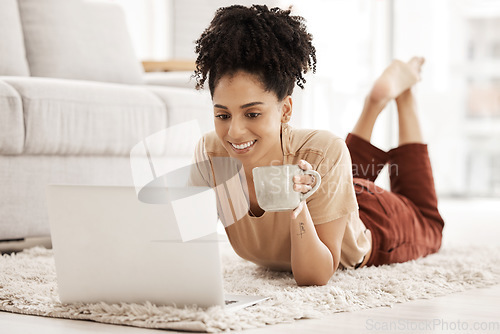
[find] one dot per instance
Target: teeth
(242, 146)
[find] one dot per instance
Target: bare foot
(396, 78)
(394, 83)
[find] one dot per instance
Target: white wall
(193, 16)
(355, 41)
(151, 27)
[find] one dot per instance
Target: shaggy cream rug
(28, 285)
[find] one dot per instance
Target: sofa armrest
(72, 117)
(11, 120)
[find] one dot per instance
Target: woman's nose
(236, 129)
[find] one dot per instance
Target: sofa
(75, 101)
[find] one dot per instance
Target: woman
(252, 58)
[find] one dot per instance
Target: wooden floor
(472, 311)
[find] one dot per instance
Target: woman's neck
(273, 158)
(272, 161)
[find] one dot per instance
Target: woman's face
(248, 119)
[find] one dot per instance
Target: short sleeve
(335, 197)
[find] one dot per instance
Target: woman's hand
(302, 183)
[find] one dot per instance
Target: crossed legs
(394, 83)
(405, 222)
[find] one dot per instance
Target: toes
(396, 78)
(417, 60)
(416, 63)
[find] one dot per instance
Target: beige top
(265, 240)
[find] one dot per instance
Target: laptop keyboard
(230, 301)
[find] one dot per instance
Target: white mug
(274, 187)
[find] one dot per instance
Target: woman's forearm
(312, 261)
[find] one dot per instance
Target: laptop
(111, 246)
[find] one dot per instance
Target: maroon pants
(404, 222)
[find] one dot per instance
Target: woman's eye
(252, 114)
(222, 116)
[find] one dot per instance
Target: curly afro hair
(269, 43)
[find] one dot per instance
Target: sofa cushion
(185, 105)
(12, 53)
(11, 120)
(78, 39)
(67, 117)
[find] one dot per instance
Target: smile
(244, 145)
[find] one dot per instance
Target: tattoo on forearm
(301, 229)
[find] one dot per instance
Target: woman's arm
(315, 249)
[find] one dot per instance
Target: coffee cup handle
(316, 186)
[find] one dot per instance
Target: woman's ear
(286, 109)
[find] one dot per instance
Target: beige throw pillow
(12, 54)
(79, 39)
